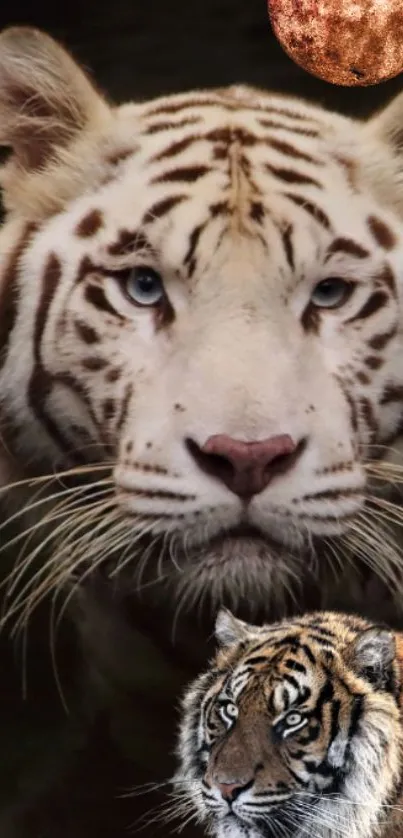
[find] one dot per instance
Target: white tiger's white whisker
(69, 513)
(53, 562)
(68, 520)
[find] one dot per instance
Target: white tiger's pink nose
(246, 468)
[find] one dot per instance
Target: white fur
(236, 358)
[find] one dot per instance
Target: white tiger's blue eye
(331, 293)
(228, 712)
(144, 286)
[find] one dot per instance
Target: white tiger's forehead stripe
(241, 100)
(273, 139)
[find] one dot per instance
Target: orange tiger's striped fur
(296, 730)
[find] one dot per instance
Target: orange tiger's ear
(372, 654)
(45, 98)
(229, 630)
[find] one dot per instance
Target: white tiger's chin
(237, 566)
(236, 545)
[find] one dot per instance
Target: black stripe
(326, 494)
(291, 680)
(300, 117)
(289, 150)
(187, 174)
(298, 754)
(376, 301)
(161, 208)
(316, 212)
(40, 383)
(368, 414)
(381, 340)
(129, 241)
(219, 208)
(8, 291)
(286, 700)
(258, 659)
(355, 718)
(257, 211)
(317, 627)
(189, 259)
(325, 696)
(294, 129)
(323, 769)
(325, 518)
(312, 733)
(85, 332)
(174, 148)
(289, 176)
(335, 713)
(308, 652)
(387, 277)
(329, 673)
(169, 107)
(391, 393)
(348, 246)
(161, 126)
(324, 642)
(374, 362)
(288, 245)
(288, 640)
(351, 403)
(124, 407)
(95, 296)
(295, 665)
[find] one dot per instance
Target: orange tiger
(296, 730)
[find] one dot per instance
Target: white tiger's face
(214, 310)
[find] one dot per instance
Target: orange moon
(347, 42)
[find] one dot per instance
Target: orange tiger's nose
(229, 791)
(246, 468)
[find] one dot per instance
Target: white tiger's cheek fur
(220, 387)
(236, 360)
(215, 374)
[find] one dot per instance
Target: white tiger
(202, 295)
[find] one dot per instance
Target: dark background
(69, 774)
(142, 48)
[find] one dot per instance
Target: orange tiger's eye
(347, 42)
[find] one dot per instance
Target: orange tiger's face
(295, 730)
(203, 293)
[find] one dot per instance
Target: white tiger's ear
(387, 125)
(384, 161)
(373, 653)
(45, 98)
(229, 630)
